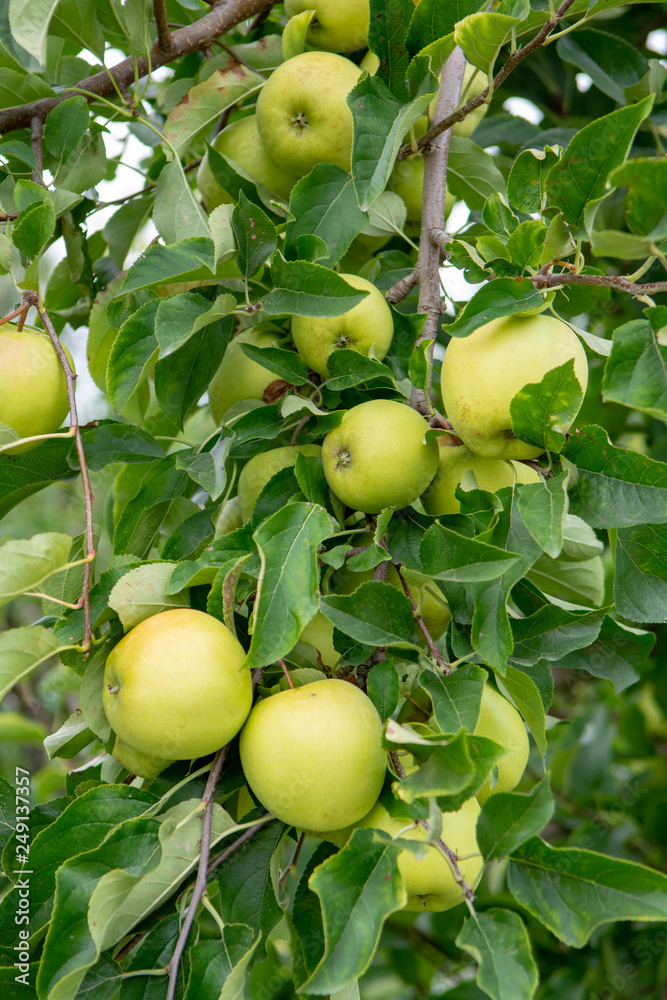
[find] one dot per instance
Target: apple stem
(22, 311)
(398, 767)
(286, 673)
(435, 652)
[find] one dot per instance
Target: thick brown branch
(164, 41)
(195, 36)
(402, 288)
(88, 498)
(618, 282)
(517, 57)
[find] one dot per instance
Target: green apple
(261, 468)
(33, 390)
(377, 457)
(491, 475)
(499, 721)
(407, 181)
(313, 754)
(429, 882)
(302, 113)
(338, 25)
(175, 686)
(369, 324)
(483, 372)
(241, 144)
(144, 764)
(318, 633)
(238, 377)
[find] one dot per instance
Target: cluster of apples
(175, 688)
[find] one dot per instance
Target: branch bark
(517, 57)
(618, 282)
(162, 23)
(195, 36)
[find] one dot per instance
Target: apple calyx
(299, 120)
(343, 459)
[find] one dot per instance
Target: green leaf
(579, 178)
(380, 124)
(138, 526)
(482, 35)
(256, 236)
(383, 688)
(389, 23)
(22, 88)
(107, 442)
(21, 475)
(543, 411)
(614, 488)
(218, 967)
(640, 588)
(247, 886)
(348, 368)
(305, 289)
(29, 23)
(498, 940)
(182, 378)
(179, 317)
(187, 260)
(525, 244)
(287, 588)
(646, 181)
(310, 476)
(612, 63)
(208, 467)
(501, 297)
(508, 819)
(456, 697)
(21, 650)
(133, 354)
(543, 507)
(446, 555)
(553, 632)
(287, 365)
(85, 167)
(618, 654)
(26, 563)
(177, 214)
(7, 811)
(141, 593)
(358, 888)
(376, 614)
(525, 694)
(324, 204)
(65, 127)
(450, 772)
(433, 20)
(34, 228)
(307, 919)
(472, 173)
(635, 374)
(215, 556)
(153, 952)
(204, 103)
(527, 182)
(573, 892)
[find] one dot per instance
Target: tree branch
(436, 155)
(36, 125)
(164, 41)
(88, 498)
(435, 652)
(195, 36)
(244, 838)
(517, 57)
(402, 288)
(618, 282)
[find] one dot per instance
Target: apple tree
(375, 331)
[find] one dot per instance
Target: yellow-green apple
(499, 721)
(241, 144)
(33, 390)
(429, 881)
(368, 324)
(318, 633)
(491, 474)
(407, 181)
(377, 457)
(483, 372)
(261, 468)
(238, 377)
(302, 113)
(175, 686)
(338, 25)
(313, 755)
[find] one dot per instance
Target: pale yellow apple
(313, 755)
(241, 144)
(499, 721)
(407, 181)
(483, 372)
(302, 113)
(368, 325)
(491, 475)
(429, 882)
(378, 457)
(261, 468)
(318, 633)
(175, 686)
(338, 25)
(33, 390)
(238, 377)
(143, 764)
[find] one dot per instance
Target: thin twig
(620, 283)
(435, 652)
(297, 430)
(238, 59)
(127, 948)
(22, 309)
(398, 767)
(244, 838)
(286, 673)
(292, 861)
(88, 498)
(200, 882)
(36, 125)
(517, 57)
(402, 288)
(6, 216)
(262, 16)
(108, 82)
(453, 860)
(164, 41)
